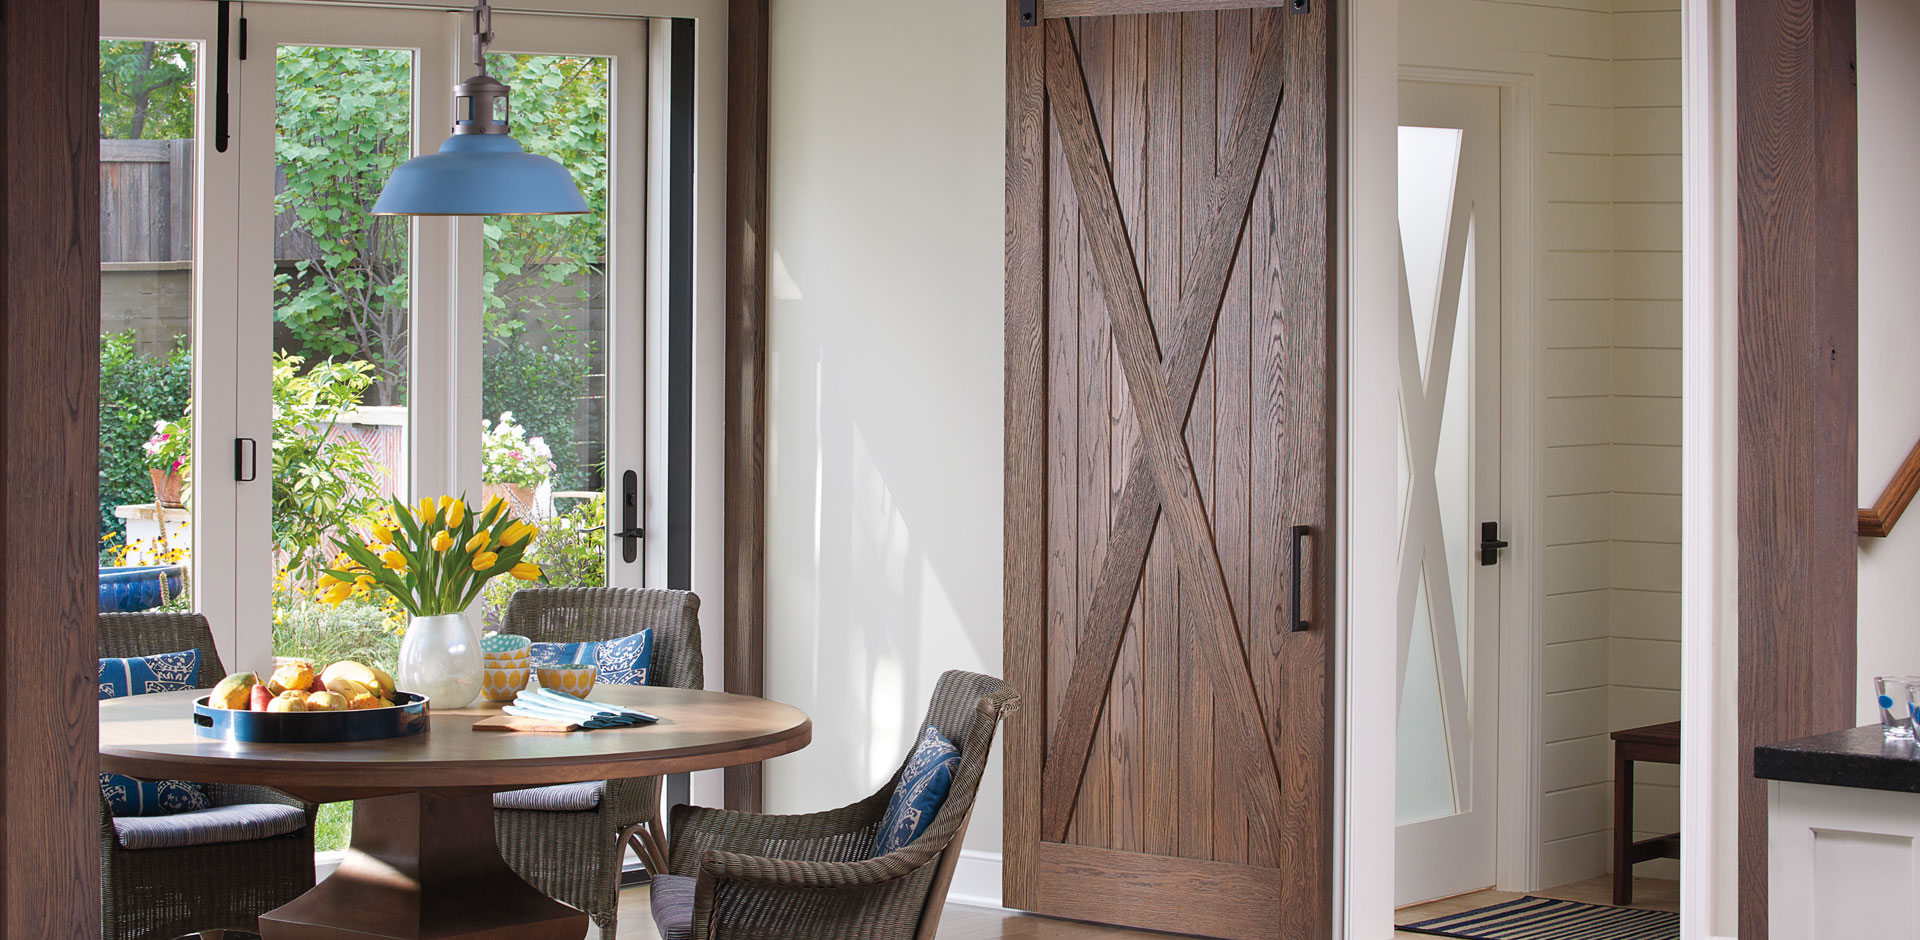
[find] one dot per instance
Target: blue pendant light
(480, 170)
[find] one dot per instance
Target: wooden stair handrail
(1877, 522)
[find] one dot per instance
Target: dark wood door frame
(49, 452)
(1798, 378)
(745, 630)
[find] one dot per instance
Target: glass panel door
(148, 146)
(563, 336)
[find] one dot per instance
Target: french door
(1168, 518)
(1449, 590)
(339, 357)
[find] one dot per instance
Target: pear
(291, 677)
(258, 697)
(235, 692)
(326, 702)
(289, 702)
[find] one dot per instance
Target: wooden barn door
(1167, 490)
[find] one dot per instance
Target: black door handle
(630, 532)
(1490, 543)
(1299, 605)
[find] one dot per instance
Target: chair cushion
(916, 799)
(136, 675)
(241, 823)
(672, 900)
(559, 798)
(622, 661)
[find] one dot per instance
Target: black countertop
(1863, 758)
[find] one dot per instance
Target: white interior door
(1449, 613)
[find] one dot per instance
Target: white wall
(1889, 64)
(884, 392)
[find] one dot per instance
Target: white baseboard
(976, 879)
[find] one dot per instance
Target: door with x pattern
(1167, 490)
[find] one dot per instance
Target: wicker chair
(813, 876)
(163, 893)
(575, 856)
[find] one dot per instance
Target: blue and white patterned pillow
(163, 672)
(622, 661)
(923, 787)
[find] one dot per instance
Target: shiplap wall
(1611, 384)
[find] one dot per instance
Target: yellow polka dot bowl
(501, 683)
(575, 679)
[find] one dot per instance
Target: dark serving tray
(407, 717)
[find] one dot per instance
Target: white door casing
(1449, 610)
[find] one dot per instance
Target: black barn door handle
(1299, 606)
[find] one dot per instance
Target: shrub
(541, 386)
(135, 391)
(570, 550)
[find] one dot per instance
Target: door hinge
(1490, 543)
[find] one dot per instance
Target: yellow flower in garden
(394, 560)
(525, 571)
(478, 542)
(442, 541)
(456, 511)
(485, 560)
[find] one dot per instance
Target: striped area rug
(1532, 918)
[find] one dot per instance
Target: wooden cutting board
(518, 723)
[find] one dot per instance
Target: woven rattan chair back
(592, 615)
(149, 634)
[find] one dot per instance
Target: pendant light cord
(482, 34)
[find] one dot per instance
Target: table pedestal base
(424, 866)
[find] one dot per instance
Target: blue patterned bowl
(137, 587)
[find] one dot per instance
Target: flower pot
(168, 488)
(440, 659)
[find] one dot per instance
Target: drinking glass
(1897, 702)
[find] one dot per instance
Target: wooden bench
(1657, 743)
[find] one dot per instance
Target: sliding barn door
(1168, 541)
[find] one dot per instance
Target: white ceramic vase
(440, 658)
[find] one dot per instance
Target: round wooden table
(423, 862)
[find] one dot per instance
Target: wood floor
(978, 923)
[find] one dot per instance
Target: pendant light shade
(480, 170)
(476, 174)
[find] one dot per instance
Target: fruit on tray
(234, 692)
(376, 680)
(296, 676)
(295, 687)
(289, 701)
(326, 702)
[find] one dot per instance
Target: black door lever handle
(1491, 543)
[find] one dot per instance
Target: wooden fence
(146, 200)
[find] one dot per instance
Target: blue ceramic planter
(137, 587)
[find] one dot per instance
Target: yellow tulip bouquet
(434, 558)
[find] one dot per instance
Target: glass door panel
(342, 314)
(148, 304)
(545, 329)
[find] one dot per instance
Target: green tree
(343, 127)
(146, 90)
(135, 391)
(343, 119)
